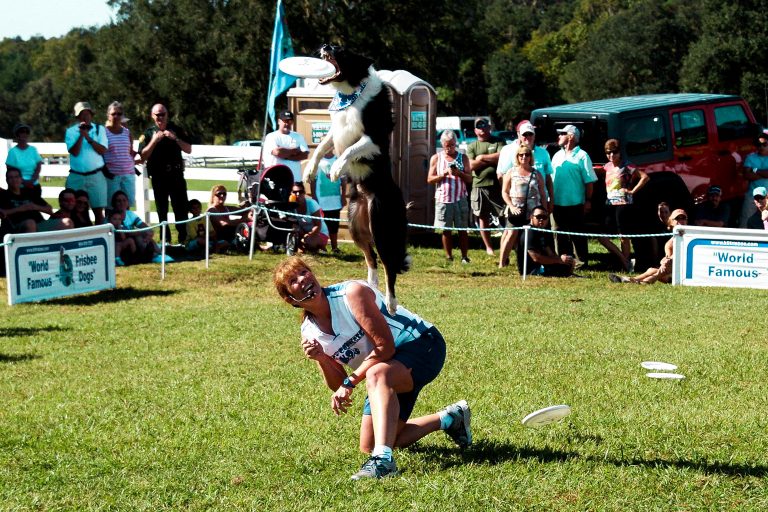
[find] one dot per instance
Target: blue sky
(50, 18)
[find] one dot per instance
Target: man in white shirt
(284, 146)
(87, 142)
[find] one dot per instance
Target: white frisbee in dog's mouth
(306, 67)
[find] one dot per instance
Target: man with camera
(450, 173)
(86, 142)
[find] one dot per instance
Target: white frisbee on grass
(546, 416)
(306, 67)
(658, 365)
(662, 375)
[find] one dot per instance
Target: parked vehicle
(685, 142)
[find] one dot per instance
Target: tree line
(208, 60)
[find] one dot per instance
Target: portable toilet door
(414, 105)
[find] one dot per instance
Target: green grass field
(192, 393)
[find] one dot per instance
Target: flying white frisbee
(673, 376)
(546, 416)
(658, 365)
(306, 67)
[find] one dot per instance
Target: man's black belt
(89, 173)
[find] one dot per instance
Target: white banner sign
(721, 257)
(42, 266)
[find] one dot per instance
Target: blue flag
(282, 47)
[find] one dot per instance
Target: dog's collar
(342, 101)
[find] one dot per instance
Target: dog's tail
(389, 227)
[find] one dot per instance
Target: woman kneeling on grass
(397, 355)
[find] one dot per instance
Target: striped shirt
(118, 156)
(451, 188)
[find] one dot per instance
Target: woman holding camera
(522, 190)
(449, 171)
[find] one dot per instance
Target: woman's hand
(312, 349)
(514, 210)
(341, 400)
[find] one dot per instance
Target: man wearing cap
(25, 158)
(161, 147)
(285, 146)
(759, 219)
(756, 174)
(486, 197)
(713, 212)
(526, 134)
(86, 142)
(573, 180)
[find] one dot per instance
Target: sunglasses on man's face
(297, 192)
(541, 216)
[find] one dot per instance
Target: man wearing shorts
(449, 173)
(87, 142)
(486, 190)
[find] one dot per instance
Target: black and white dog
(361, 124)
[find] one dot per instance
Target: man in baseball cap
(86, 142)
(573, 181)
(759, 219)
(285, 146)
(713, 212)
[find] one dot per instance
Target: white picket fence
(212, 163)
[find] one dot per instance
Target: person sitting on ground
(146, 248)
(759, 219)
(331, 196)
(20, 208)
(713, 212)
(196, 231)
(522, 189)
(125, 246)
(542, 260)
(81, 215)
(664, 271)
(313, 233)
(25, 158)
(622, 181)
(224, 225)
(66, 208)
(347, 324)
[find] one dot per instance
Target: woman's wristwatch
(347, 382)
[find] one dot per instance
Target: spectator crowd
(491, 184)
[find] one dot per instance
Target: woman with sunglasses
(313, 232)
(522, 189)
(622, 181)
(224, 225)
(391, 357)
(119, 157)
(664, 272)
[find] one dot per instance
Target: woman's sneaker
(460, 430)
(376, 467)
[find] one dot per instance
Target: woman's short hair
(114, 105)
(281, 272)
(448, 136)
(612, 145)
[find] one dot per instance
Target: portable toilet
(414, 106)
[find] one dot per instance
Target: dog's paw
(337, 168)
(373, 278)
(391, 304)
(310, 170)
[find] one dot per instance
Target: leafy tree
(729, 56)
(514, 86)
(617, 59)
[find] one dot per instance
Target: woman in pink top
(120, 154)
